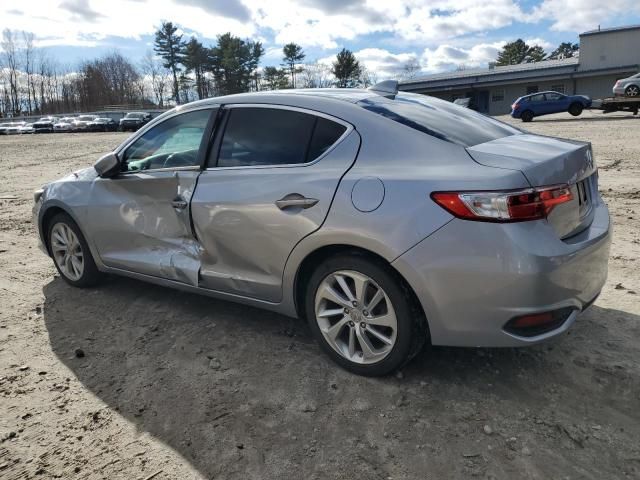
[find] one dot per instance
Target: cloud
(380, 61)
(541, 42)
(583, 15)
(447, 57)
(91, 23)
(228, 8)
(444, 19)
(80, 10)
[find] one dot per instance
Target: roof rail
(387, 87)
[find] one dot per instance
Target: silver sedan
(386, 219)
(629, 87)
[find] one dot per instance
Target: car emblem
(589, 158)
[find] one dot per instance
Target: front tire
(70, 252)
(575, 109)
(632, 91)
(527, 116)
(363, 316)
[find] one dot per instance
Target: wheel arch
(46, 216)
(316, 257)
(50, 210)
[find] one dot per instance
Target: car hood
(83, 175)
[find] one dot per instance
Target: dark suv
(134, 120)
(45, 124)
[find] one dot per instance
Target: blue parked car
(543, 103)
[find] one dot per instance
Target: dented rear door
(270, 186)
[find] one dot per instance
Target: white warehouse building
(606, 55)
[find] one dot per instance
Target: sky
(385, 35)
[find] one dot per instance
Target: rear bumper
(473, 277)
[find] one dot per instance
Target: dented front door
(141, 223)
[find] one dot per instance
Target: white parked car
(27, 128)
(83, 122)
(65, 124)
(12, 128)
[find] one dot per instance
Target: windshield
(134, 115)
(439, 118)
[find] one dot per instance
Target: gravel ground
(177, 386)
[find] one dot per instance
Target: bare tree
(316, 75)
(157, 74)
(410, 70)
(28, 61)
(367, 78)
(10, 57)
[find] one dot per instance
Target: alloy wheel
(633, 91)
(356, 317)
(67, 251)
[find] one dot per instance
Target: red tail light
(515, 106)
(509, 206)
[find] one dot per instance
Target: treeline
(31, 83)
(231, 66)
(177, 71)
(519, 51)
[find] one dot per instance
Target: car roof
(540, 93)
(351, 95)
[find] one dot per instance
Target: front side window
(554, 96)
(537, 98)
(170, 144)
(271, 136)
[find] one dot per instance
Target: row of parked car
(83, 123)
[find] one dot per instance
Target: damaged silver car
(386, 219)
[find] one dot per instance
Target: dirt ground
(178, 386)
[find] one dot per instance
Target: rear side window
(439, 118)
(325, 134)
(270, 136)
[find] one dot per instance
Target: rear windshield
(439, 118)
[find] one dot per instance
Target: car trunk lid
(547, 161)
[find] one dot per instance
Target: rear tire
(632, 91)
(527, 116)
(374, 326)
(575, 109)
(70, 252)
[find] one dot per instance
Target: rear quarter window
(439, 118)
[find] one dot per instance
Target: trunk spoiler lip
(534, 155)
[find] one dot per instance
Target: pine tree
(292, 54)
(565, 50)
(346, 68)
(234, 62)
(517, 52)
(169, 46)
(275, 78)
(196, 58)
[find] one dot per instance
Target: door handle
(179, 204)
(295, 200)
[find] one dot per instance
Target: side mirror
(108, 165)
